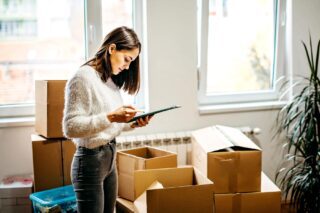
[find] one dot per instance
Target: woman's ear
(112, 48)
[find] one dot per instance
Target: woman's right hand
(122, 114)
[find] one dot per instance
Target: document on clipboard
(152, 113)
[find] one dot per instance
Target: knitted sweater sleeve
(78, 119)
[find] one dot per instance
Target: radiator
(178, 142)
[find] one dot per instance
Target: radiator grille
(178, 142)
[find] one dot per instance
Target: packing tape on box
(236, 203)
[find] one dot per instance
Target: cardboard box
(68, 149)
(49, 95)
(228, 158)
(138, 159)
(51, 162)
(268, 200)
(185, 190)
(124, 206)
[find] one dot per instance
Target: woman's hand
(122, 114)
(141, 122)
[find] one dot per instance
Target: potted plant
(299, 120)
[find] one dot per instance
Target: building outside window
(43, 39)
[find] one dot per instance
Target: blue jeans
(94, 178)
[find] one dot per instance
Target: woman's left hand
(141, 122)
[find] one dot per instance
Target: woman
(94, 115)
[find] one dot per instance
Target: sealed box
(49, 104)
(228, 158)
(51, 162)
(138, 159)
(268, 200)
(185, 190)
(61, 199)
(68, 149)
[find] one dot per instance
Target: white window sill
(241, 107)
(16, 122)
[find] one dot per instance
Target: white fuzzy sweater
(87, 101)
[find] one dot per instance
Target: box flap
(186, 199)
(35, 137)
(218, 137)
(168, 177)
(124, 205)
(199, 178)
(211, 139)
(267, 185)
(237, 138)
(147, 152)
(140, 204)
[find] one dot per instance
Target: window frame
(93, 37)
(243, 97)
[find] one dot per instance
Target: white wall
(172, 80)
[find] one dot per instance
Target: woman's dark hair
(125, 39)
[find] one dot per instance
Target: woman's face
(121, 59)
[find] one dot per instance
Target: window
(239, 47)
(43, 39)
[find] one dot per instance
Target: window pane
(240, 46)
(39, 39)
(116, 13)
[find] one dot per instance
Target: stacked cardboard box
(52, 153)
(184, 189)
(233, 162)
(49, 97)
(52, 159)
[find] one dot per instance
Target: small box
(228, 158)
(268, 200)
(13, 196)
(137, 159)
(185, 189)
(61, 199)
(49, 104)
(15, 190)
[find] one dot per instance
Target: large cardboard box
(49, 95)
(51, 162)
(228, 158)
(138, 159)
(266, 201)
(185, 190)
(68, 150)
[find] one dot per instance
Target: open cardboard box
(227, 157)
(268, 200)
(185, 190)
(49, 104)
(139, 159)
